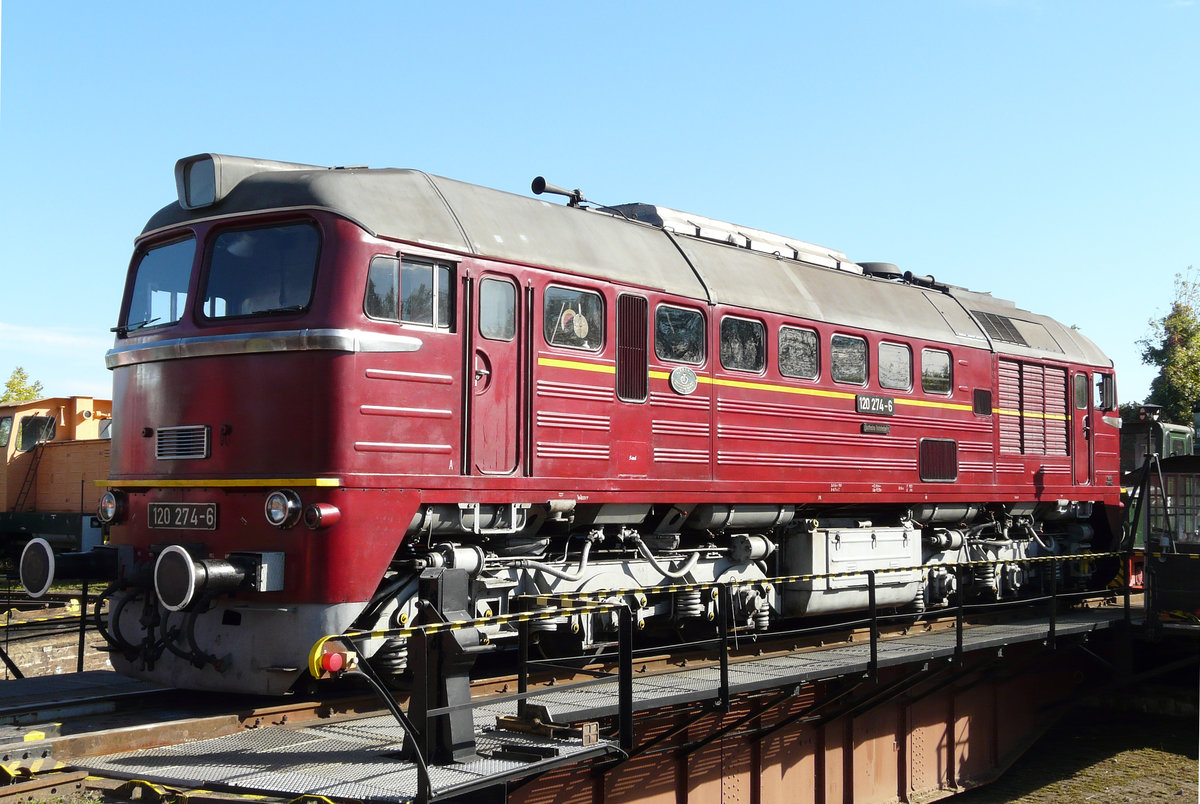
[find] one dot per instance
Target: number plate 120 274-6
(184, 516)
(879, 405)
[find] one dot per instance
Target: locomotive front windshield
(160, 286)
(269, 269)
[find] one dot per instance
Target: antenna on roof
(540, 186)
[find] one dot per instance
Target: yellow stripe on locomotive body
(1035, 414)
(770, 387)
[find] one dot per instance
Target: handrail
(588, 602)
(544, 608)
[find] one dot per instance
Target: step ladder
(31, 473)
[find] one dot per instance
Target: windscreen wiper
(125, 329)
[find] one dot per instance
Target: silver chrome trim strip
(242, 343)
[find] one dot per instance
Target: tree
(1129, 412)
(19, 389)
(1174, 346)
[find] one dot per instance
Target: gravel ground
(1093, 755)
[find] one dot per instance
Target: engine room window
(573, 318)
(35, 430)
(848, 359)
(743, 344)
(160, 286)
(5, 430)
(799, 354)
(408, 291)
(679, 335)
(497, 310)
(936, 373)
(262, 271)
(895, 367)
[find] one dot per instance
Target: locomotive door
(1081, 428)
(493, 361)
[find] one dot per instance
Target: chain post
(83, 610)
(724, 607)
(873, 665)
(625, 677)
(958, 615)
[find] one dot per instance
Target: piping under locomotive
(329, 380)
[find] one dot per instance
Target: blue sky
(1046, 152)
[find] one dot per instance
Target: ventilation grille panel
(180, 443)
(632, 351)
(939, 460)
(1001, 328)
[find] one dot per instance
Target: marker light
(282, 508)
(321, 515)
(111, 508)
(333, 662)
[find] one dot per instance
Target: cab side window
(5, 430)
(1082, 392)
(409, 291)
(1106, 392)
(34, 430)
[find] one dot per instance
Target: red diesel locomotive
(330, 379)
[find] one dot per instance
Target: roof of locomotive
(812, 282)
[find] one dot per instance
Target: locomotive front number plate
(184, 516)
(879, 405)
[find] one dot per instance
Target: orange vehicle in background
(54, 450)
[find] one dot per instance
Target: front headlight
(282, 508)
(111, 507)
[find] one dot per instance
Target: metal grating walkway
(359, 759)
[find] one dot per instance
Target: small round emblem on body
(683, 380)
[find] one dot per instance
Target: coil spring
(985, 576)
(689, 604)
(920, 602)
(762, 617)
(392, 658)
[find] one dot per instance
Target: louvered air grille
(938, 460)
(177, 443)
(1001, 328)
(632, 351)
